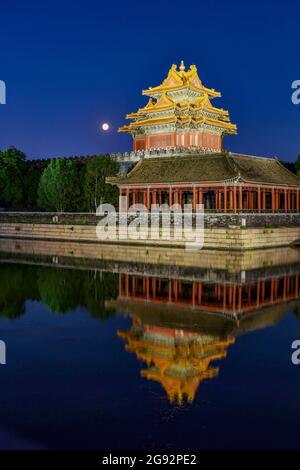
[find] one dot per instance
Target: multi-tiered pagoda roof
(179, 113)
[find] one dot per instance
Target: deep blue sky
(70, 65)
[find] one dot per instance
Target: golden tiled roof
(191, 105)
(177, 79)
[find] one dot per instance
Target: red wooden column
(285, 201)
(127, 285)
(279, 199)
(148, 288)
(148, 199)
(170, 290)
(252, 200)
(175, 291)
(288, 200)
(292, 201)
(176, 196)
(120, 284)
(273, 200)
(297, 200)
(180, 197)
(199, 293)
(240, 197)
(127, 198)
(170, 197)
(263, 199)
(200, 196)
(194, 199)
(234, 198)
(240, 299)
(225, 199)
(153, 288)
(258, 293)
(220, 199)
(133, 285)
(234, 297)
(154, 198)
(194, 293)
(248, 200)
(258, 199)
(224, 297)
(160, 197)
(230, 199)
(272, 290)
(263, 291)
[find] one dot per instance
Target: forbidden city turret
(179, 113)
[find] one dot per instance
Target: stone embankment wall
(230, 238)
(265, 220)
(209, 265)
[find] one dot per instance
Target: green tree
(60, 289)
(297, 165)
(18, 284)
(59, 186)
(31, 184)
(98, 287)
(12, 167)
(96, 190)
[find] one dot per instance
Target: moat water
(122, 359)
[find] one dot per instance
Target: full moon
(105, 126)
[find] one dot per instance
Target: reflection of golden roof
(178, 360)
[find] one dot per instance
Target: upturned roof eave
(123, 182)
(227, 181)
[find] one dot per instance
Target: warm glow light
(105, 126)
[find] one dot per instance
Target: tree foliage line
(59, 184)
(61, 290)
(62, 184)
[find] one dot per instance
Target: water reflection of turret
(179, 360)
(180, 328)
(232, 299)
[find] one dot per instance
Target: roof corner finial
(182, 66)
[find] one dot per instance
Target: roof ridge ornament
(182, 67)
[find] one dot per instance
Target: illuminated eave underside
(144, 111)
(196, 121)
(163, 89)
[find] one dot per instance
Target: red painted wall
(173, 139)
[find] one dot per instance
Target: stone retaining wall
(154, 260)
(210, 219)
(231, 238)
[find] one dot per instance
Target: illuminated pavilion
(179, 135)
